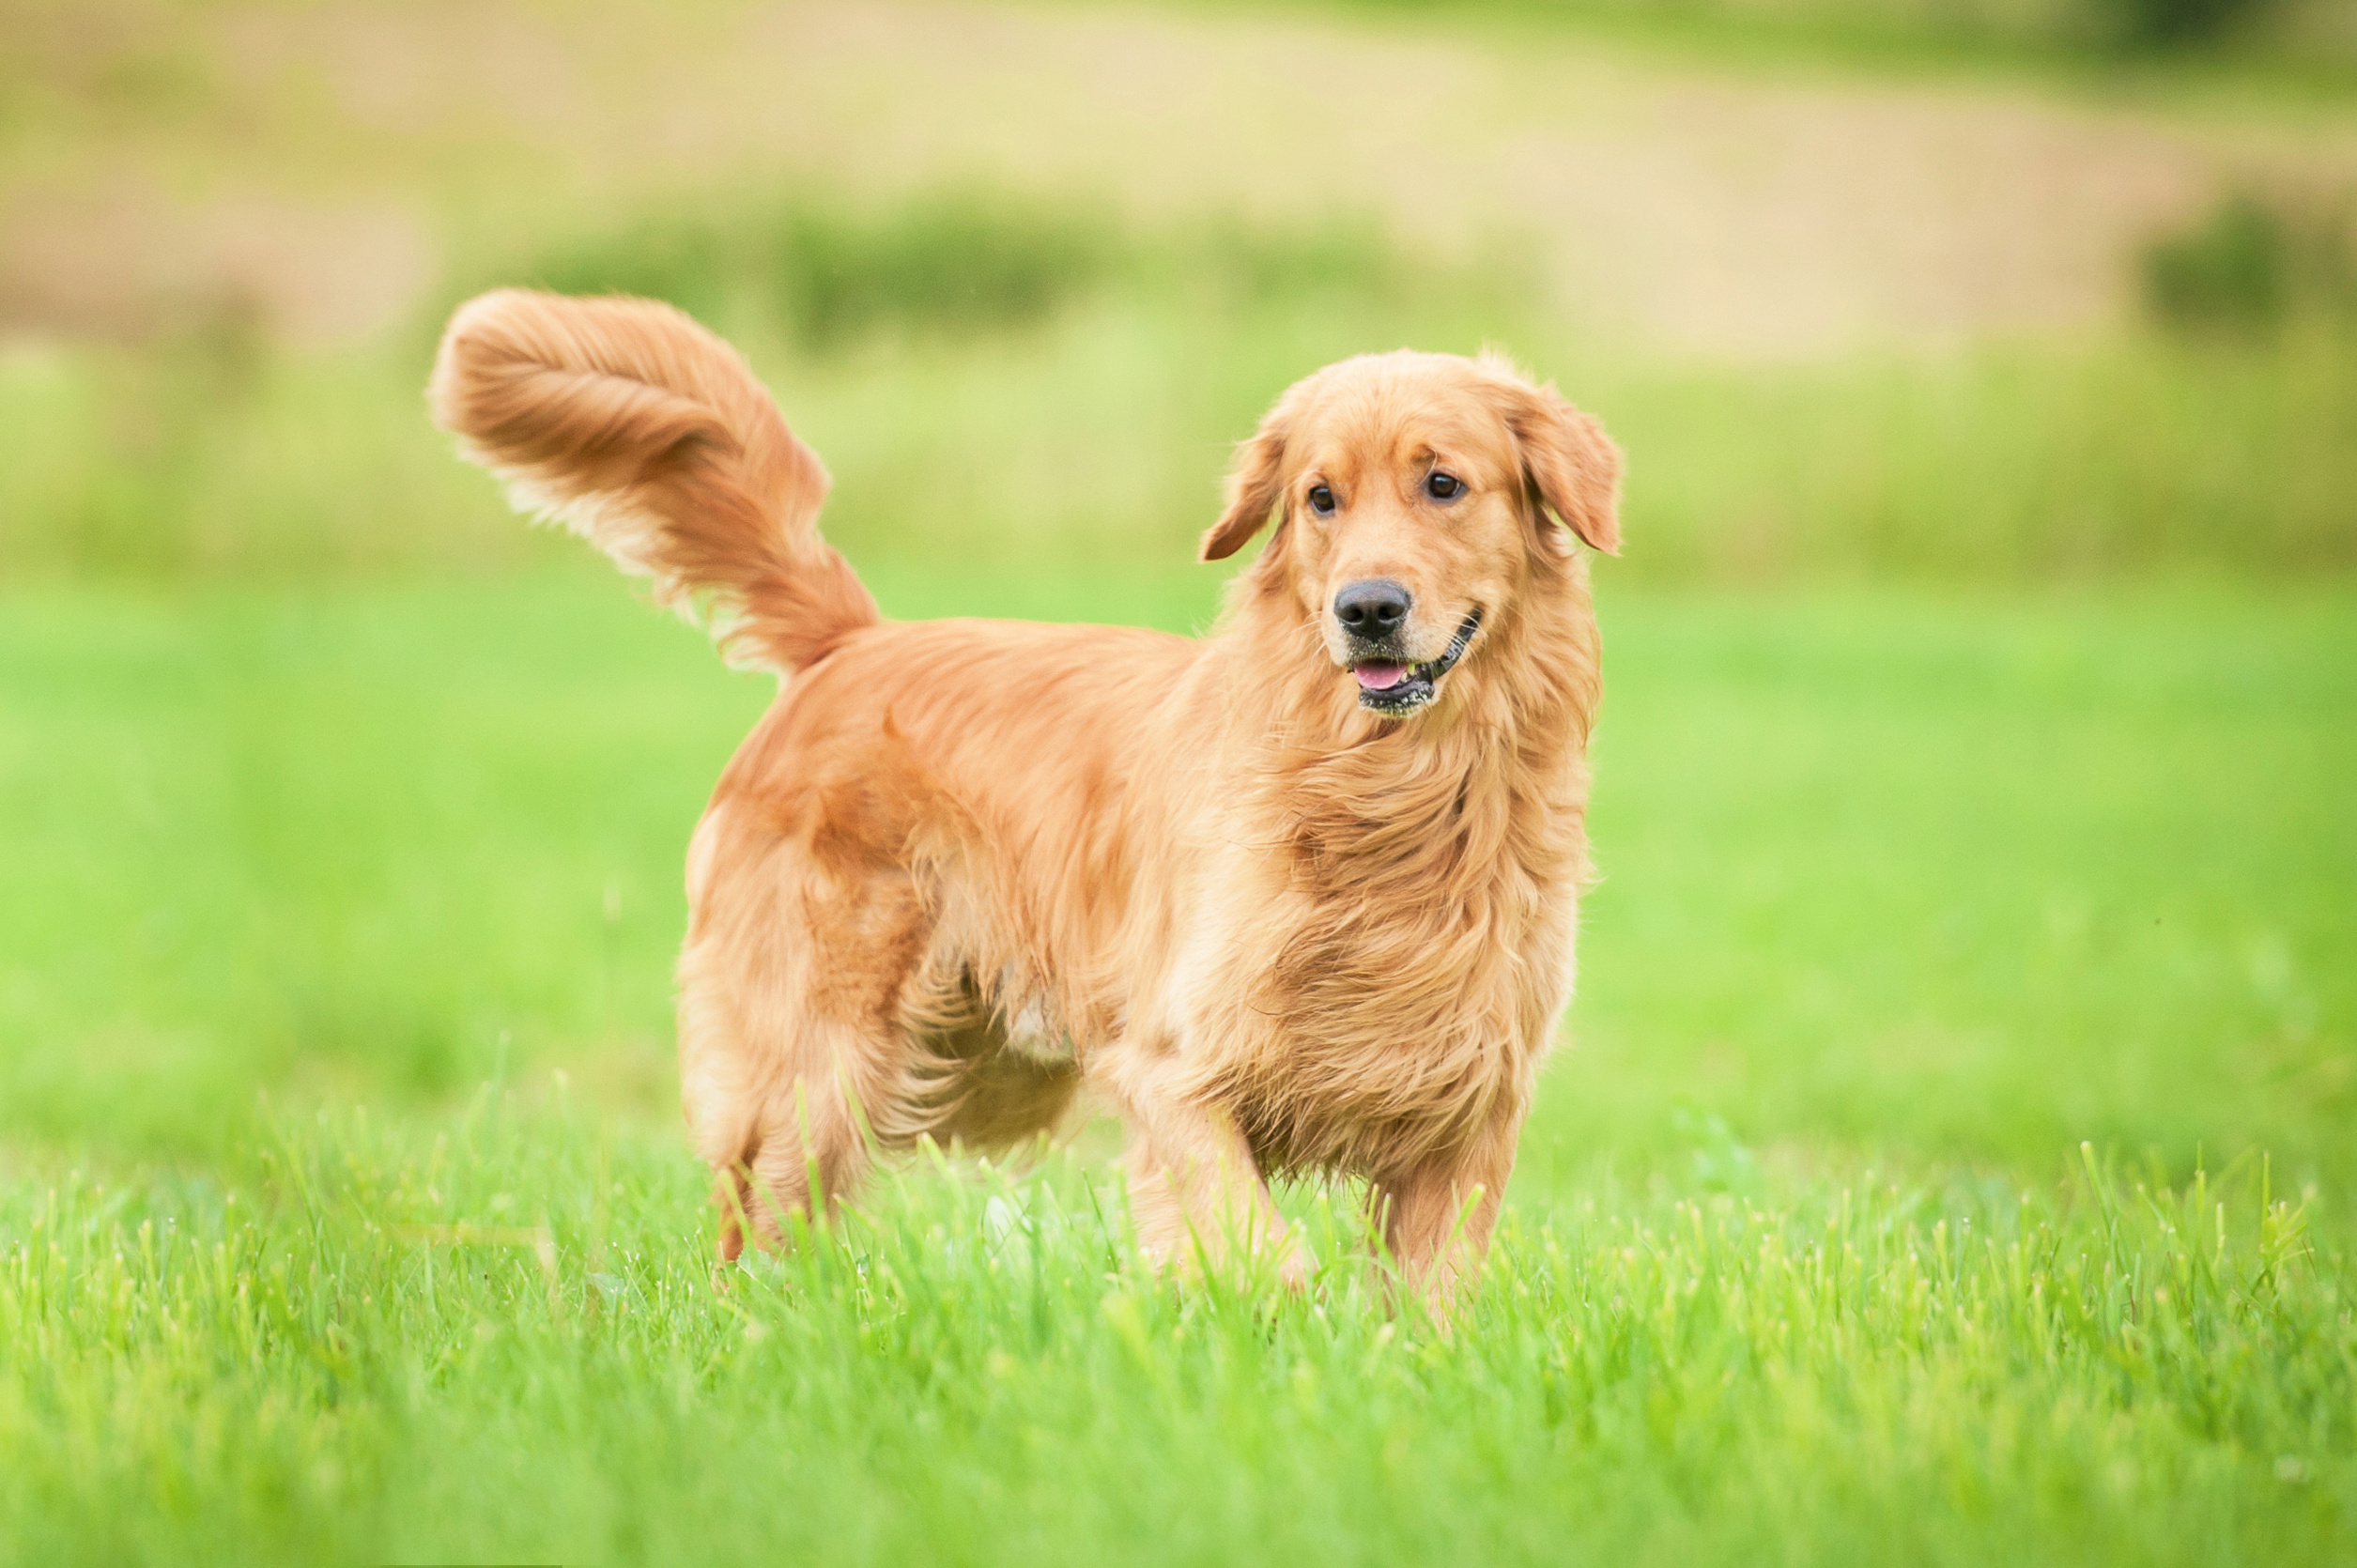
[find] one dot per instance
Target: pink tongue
(1380, 677)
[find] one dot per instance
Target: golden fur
(963, 868)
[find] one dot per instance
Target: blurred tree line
(2301, 30)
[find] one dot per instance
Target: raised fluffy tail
(649, 437)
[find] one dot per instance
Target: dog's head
(1421, 502)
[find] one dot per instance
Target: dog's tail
(649, 437)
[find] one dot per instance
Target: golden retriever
(1297, 896)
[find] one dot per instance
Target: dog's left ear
(1567, 459)
(1255, 483)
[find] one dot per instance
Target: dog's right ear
(1254, 484)
(1569, 462)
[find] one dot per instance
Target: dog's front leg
(1438, 1216)
(1196, 1194)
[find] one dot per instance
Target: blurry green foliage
(992, 378)
(1102, 430)
(216, 452)
(2250, 264)
(2304, 34)
(958, 259)
(2148, 454)
(952, 261)
(2177, 22)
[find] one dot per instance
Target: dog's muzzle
(1394, 689)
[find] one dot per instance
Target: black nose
(1372, 608)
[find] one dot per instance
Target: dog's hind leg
(777, 1114)
(827, 1096)
(792, 1062)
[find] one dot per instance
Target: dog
(1297, 896)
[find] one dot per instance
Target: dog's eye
(1321, 501)
(1442, 486)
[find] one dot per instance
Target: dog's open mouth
(1393, 688)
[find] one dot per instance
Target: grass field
(1908, 895)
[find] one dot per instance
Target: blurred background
(1983, 664)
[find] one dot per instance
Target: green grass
(979, 1372)
(1908, 894)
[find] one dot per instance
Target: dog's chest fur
(1420, 953)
